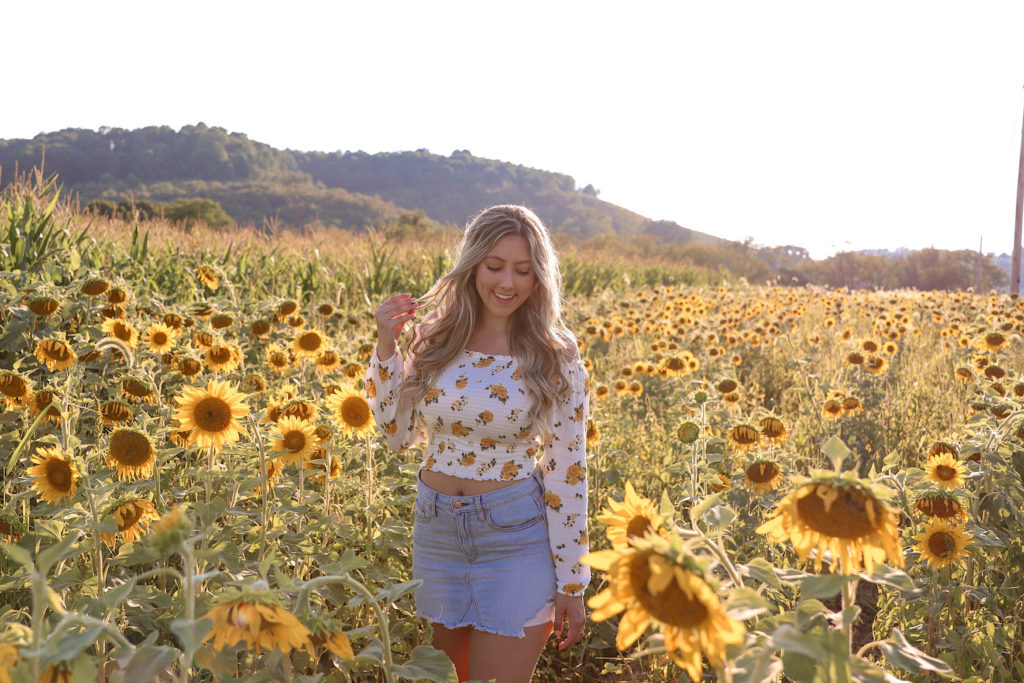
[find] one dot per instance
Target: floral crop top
(475, 420)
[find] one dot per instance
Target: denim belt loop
(433, 504)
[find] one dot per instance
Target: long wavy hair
(538, 338)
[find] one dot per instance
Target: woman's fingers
(395, 310)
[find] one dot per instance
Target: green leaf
(698, 510)
(145, 663)
(427, 663)
(746, 603)
(836, 451)
(73, 644)
(789, 639)
(191, 632)
(824, 586)
(665, 507)
(761, 570)
(720, 516)
(756, 665)
(899, 652)
(890, 576)
(18, 554)
(394, 591)
(59, 551)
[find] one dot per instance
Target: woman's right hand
(392, 315)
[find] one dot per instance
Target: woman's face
(505, 278)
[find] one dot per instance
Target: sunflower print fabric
(476, 424)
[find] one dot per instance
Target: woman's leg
(454, 642)
(505, 658)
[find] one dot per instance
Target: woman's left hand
(571, 609)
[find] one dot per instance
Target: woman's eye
(525, 274)
(493, 269)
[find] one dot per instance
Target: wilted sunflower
(945, 470)
(743, 437)
(351, 412)
(135, 389)
(941, 543)
(318, 461)
(55, 673)
(832, 409)
(54, 475)
(852, 406)
(649, 585)
(189, 367)
(869, 345)
(633, 517)
(55, 354)
(854, 358)
(328, 361)
(296, 439)
(297, 407)
(209, 278)
(95, 287)
(211, 414)
(202, 340)
(593, 433)
(762, 476)
(133, 518)
(131, 454)
(994, 372)
(221, 321)
(160, 338)
(673, 366)
(354, 371)
(117, 297)
(727, 386)
(255, 383)
(260, 329)
(876, 365)
(330, 636)
(115, 412)
(941, 505)
(296, 322)
(16, 390)
(838, 515)
(45, 400)
(174, 322)
(963, 374)
(122, 331)
(277, 359)
(993, 341)
(308, 344)
(286, 308)
(256, 618)
(773, 430)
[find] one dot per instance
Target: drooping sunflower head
(328, 361)
(260, 329)
(207, 276)
(138, 390)
(48, 401)
(133, 518)
(318, 461)
(171, 530)
(189, 367)
(852, 406)
(255, 617)
(964, 374)
(942, 505)
(631, 518)
(839, 515)
(116, 412)
(122, 330)
(255, 384)
(762, 476)
(54, 475)
(832, 409)
(16, 389)
(945, 470)
(351, 412)
(773, 430)
(940, 447)
(131, 453)
(652, 584)
(221, 321)
(95, 287)
(743, 437)
(942, 543)
(211, 414)
(55, 354)
(295, 439)
(593, 433)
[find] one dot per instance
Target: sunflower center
(212, 414)
(329, 358)
(58, 474)
(130, 515)
(220, 354)
(159, 338)
(846, 517)
(671, 606)
(310, 341)
(122, 332)
(294, 440)
(278, 359)
(675, 364)
(354, 411)
(762, 472)
(130, 448)
(941, 544)
(945, 473)
(638, 525)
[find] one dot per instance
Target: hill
(255, 182)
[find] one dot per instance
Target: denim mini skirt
(485, 560)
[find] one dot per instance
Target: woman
(489, 376)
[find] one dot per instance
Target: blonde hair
(538, 338)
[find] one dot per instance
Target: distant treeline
(254, 182)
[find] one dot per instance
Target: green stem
(849, 595)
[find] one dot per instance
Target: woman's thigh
(506, 659)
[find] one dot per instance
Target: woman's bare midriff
(450, 485)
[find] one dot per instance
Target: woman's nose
(506, 278)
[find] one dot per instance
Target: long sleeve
(564, 468)
(381, 388)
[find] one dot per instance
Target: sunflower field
(785, 483)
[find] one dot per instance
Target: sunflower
(620, 387)
(260, 329)
(43, 306)
(839, 515)
(297, 407)
(115, 412)
(122, 331)
(762, 476)
(994, 372)
(189, 367)
(221, 321)
(335, 641)
(209, 278)
(211, 414)
(652, 586)
(202, 340)
(993, 341)
(95, 287)
(286, 308)
(296, 439)
(941, 505)
(720, 482)
(131, 454)
(318, 461)
(160, 338)
(223, 358)
(54, 475)
(277, 359)
(354, 371)
(635, 389)
(135, 389)
(743, 437)
(773, 430)
(672, 366)
(133, 518)
(945, 470)
(942, 544)
(688, 432)
(55, 354)
(593, 433)
(308, 344)
(852, 406)
(832, 409)
(876, 365)
(171, 530)
(256, 384)
(869, 345)
(296, 322)
(328, 361)
(174, 322)
(45, 400)
(601, 392)
(351, 412)
(16, 390)
(633, 517)
(964, 374)
(55, 673)
(117, 297)
(256, 618)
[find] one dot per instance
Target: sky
(833, 126)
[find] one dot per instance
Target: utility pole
(1015, 261)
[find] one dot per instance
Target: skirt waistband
(432, 500)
